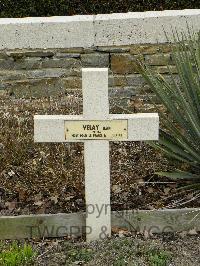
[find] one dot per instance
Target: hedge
(24, 8)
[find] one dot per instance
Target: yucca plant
(180, 124)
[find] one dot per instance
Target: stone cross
(96, 127)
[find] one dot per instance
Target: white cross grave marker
(96, 127)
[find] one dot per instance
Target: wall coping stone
(95, 30)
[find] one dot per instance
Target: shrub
(180, 125)
(24, 8)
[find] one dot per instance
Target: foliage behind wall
(36, 8)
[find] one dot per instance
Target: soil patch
(49, 178)
(165, 250)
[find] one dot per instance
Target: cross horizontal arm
(140, 127)
(51, 128)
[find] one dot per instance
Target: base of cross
(96, 127)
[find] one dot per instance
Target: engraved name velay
(101, 129)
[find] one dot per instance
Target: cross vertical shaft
(96, 155)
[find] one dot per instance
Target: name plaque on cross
(100, 129)
(96, 127)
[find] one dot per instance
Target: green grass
(16, 255)
(158, 257)
(115, 251)
(83, 255)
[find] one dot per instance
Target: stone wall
(37, 73)
(41, 56)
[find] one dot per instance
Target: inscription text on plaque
(96, 129)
